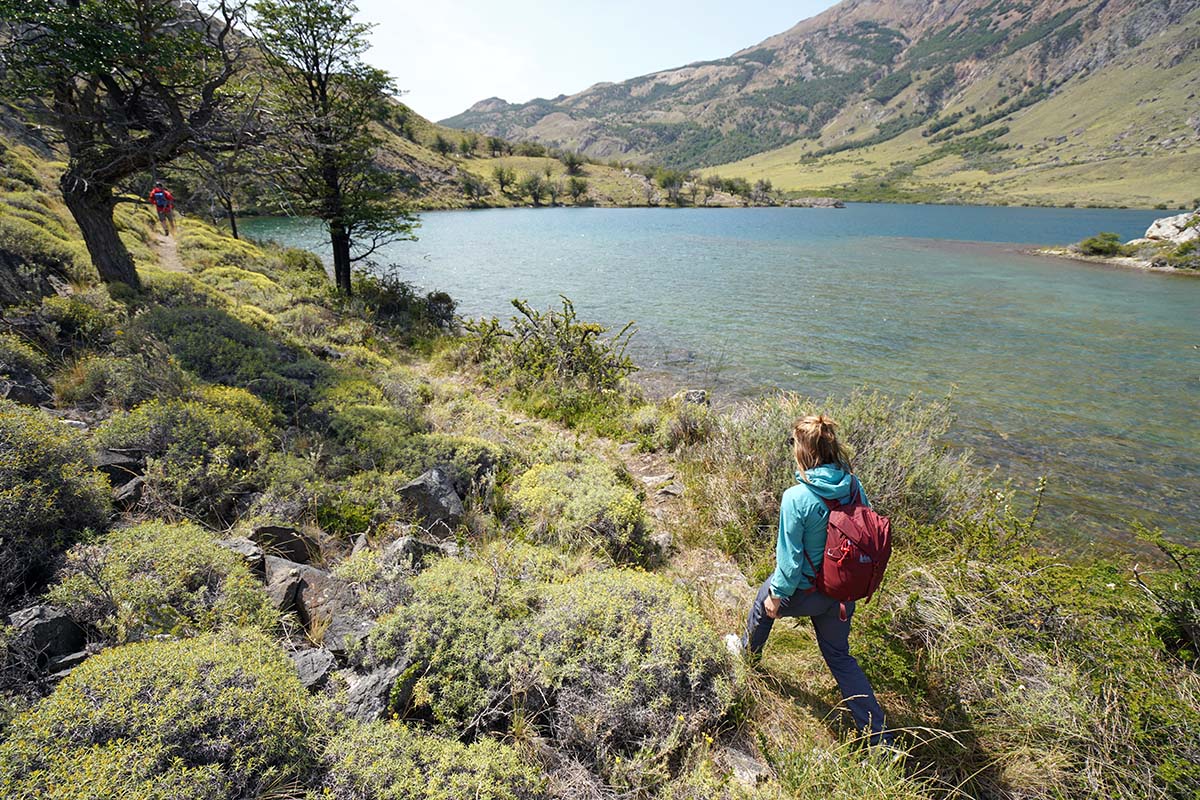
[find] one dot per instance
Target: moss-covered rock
(49, 494)
(392, 762)
(157, 578)
(209, 718)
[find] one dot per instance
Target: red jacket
(170, 199)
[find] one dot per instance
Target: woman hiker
(823, 473)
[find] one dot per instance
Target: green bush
(133, 374)
(583, 505)
(200, 459)
(461, 633)
(635, 672)
(49, 494)
(1186, 255)
(88, 319)
(1102, 244)
(672, 424)
(391, 762)
(397, 305)
(17, 355)
(157, 578)
(209, 718)
(222, 349)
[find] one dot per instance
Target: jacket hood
(828, 481)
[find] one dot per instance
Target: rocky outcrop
(287, 543)
(435, 502)
(45, 635)
(369, 695)
(327, 606)
(251, 554)
(314, 667)
(815, 202)
(1177, 230)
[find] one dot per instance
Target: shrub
(390, 762)
(396, 304)
(88, 318)
(157, 578)
(1102, 244)
(743, 469)
(635, 672)
(200, 459)
(135, 373)
(222, 349)
(673, 424)
(16, 355)
(461, 636)
(49, 494)
(247, 286)
(583, 505)
(201, 719)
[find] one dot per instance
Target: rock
(1177, 229)
(663, 541)
(436, 503)
(127, 495)
(658, 480)
(60, 666)
(22, 386)
(314, 667)
(369, 695)
(325, 604)
(746, 769)
(251, 553)
(46, 633)
(283, 582)
(409, 551)
(287, 543)
(697, 397)
(671, 490)
(121, 465)
(358, 543)
(727, 585)
(814, 202)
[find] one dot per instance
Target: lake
(1085, 373)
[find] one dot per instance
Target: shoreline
(1123, 262)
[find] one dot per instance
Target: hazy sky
(448, 55)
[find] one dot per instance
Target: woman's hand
(772, 604)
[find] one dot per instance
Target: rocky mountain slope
(970, 79)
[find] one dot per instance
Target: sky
(449, 55)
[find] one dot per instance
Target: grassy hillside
(1124, 135)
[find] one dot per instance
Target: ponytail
(815, 442)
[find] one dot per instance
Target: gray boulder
(22, 386)
(251, 553)
(283, 582)
(411, 552)
(45, 633)
(286, 542)
(127, 495)
(369, 695)
(314, 667)
(436, 503)
(120, 465)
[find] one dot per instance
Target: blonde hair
(815, 442)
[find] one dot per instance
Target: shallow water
(1085, 373)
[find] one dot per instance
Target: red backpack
(858, 544)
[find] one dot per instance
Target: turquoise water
(1088, 374)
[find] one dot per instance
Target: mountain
(975, 81)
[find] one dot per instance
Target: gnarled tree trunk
(91, 204)
(340, 240)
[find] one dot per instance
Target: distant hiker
(164, 204)
(825, 488)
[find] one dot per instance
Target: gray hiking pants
(833, 637)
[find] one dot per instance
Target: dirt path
(167, 249)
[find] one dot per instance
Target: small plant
(1102, 244)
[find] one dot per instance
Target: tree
(504, 177)
(496, 146)
(325, 100)
(533, 185)
(577, 188)
(131, 85)
(468, 144)
(672, 180)
(473, 186)
(573, 162)
(442, 146)
(224, 171)
(554, 188)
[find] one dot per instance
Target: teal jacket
(803, 517)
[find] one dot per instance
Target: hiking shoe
(733, 643)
